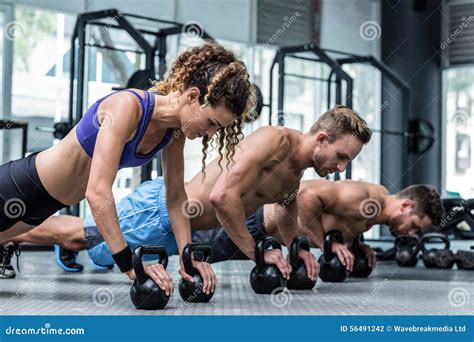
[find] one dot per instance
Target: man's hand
(310, 262)
(159, 275)
(275, 257)
(369, 254)
(344, 255)
(207, 274)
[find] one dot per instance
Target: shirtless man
(259, 176)
(353, 207)
(269, 168)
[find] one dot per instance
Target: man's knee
(71, 234)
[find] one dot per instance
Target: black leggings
(22, 196)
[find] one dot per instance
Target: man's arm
(287, 223)
(286, 215)
(311, 210)
(264, 148)
(310, 216)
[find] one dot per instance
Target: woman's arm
(118, 124)
(172, 158)
(119, 115)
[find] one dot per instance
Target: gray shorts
(222, 246)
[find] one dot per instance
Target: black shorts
(22, 196)
(223, 248)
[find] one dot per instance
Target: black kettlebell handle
(407, 241)
(138, 254)
(262, 245)
(356, 243)
(331, 236)
(432, 236)
(187, 256)
(299, 242)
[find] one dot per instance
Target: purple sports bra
(88, 127)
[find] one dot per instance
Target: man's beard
(318, 166)
(395, 224)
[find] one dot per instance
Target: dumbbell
(59, 130)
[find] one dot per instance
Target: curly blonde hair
(221, 79)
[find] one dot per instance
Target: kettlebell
(145, 293)
(437, 258)
(332, 270)
(407, 250)
(298, 277)
(266, 278)
(361, 267)
(192, 292)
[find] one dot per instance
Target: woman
(206, 90)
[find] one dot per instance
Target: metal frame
(7, 69)
(336, 72)
(399, 83)
(23, 125)
(323, 56)
(444, 131)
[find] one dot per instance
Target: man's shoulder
(272, 130)
(271, 137)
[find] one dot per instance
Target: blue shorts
(143, 220)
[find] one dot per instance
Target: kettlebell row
(264, 278)
(409, 247)
(267, 278)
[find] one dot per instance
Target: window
(458, 131)
(367, 103)
(40, 86)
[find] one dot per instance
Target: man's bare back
(352, 207)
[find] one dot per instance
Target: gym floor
(42, 288)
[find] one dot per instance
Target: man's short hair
(426, 201)
(341, 120)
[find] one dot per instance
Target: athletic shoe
(66, 259)
(6, 253)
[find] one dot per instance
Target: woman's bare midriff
(64, 170)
